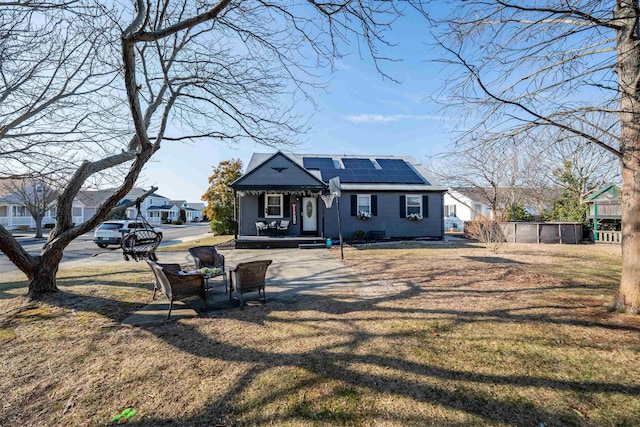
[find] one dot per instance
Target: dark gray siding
(264, 176)
(249, 214)
(388, 218)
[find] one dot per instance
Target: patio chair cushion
(176, 286)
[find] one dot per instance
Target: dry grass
(204, 241)
(441, 335)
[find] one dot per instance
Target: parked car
(112, 232)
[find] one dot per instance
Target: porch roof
(284, 189)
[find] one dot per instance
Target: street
(83, 247)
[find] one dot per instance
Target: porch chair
(208, 256)
(260, 226)
(176, 286)
(283, 227)
(248, 277)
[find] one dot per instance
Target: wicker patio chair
(176, 286)
(283, 227)
(208, 256)
(248, 277)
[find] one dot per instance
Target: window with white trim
(364, 203)
(414, 205)
(273, 205)
(20, 211)
(3, 211)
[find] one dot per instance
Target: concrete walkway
(294, 272)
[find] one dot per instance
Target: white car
(112, 232)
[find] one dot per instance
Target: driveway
(293, 273)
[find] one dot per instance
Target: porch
(268, 242)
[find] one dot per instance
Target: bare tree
(492, 171)
(228, 70)
(517, 66)
(35, 195)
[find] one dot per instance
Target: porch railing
(607, 236)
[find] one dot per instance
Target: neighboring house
(155, 208)
(380, 195)
(13, 212)
(191, 214)
(464, 204)
(605, 210)
(198, 207)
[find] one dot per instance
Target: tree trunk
(628, 69)
(38, 221)
(44, 275)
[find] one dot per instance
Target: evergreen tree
(570, 206)
(219, 196)
(516, 212)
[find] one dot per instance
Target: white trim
(390, 187)
(266, 205)
(368, 196)
(406, 204)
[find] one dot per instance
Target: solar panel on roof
(358, 164)
(393, 171)
(318, 163)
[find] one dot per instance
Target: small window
(3, 211)
(76, 212)
(273, 206)
(19, 211)
(364, 204)
(450, 210)
(414, 206)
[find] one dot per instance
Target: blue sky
(359, 113)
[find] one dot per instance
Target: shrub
(49, 225)
(222, 226)
(177, 222)
(23, 228)
(486, 231)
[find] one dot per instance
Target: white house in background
(13, 212)
(155, 208)
(464, 204)
(192, 214)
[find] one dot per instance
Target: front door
(309, 215)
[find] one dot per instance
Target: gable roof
(359, 172)
(608, 192)
(300, 178)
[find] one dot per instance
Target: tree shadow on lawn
(328, 362)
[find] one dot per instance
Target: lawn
(447, 335)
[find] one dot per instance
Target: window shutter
(286, 201)
(354, 205)
(403, 207)
(374, 205)
(425, 206)
(261, 205)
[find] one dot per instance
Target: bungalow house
(462, 205)
(155, 208)
(17, 196)
(191, 214)
(380, 195)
